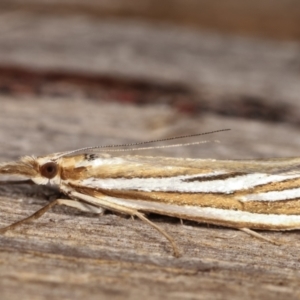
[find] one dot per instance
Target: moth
(243, 194)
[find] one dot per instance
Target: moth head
(42, 170)
(48, 171)
(27, 166)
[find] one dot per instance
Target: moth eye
(49, 170)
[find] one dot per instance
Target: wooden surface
(71, 255)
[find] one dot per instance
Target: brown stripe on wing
(278, 186)
(222, 201)
(128, 172)
(214, 177)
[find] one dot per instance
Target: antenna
(145, 142)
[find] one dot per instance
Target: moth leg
(82, 206)
(259, 236)
(25, 181)
(105, 203)
(72, 203)
(161, 231)
(34, 216)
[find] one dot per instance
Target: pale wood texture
(71, 255)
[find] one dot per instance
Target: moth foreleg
(72, 203)
(34, 216)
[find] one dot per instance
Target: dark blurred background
(267, 19)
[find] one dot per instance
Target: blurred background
(79, 73)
